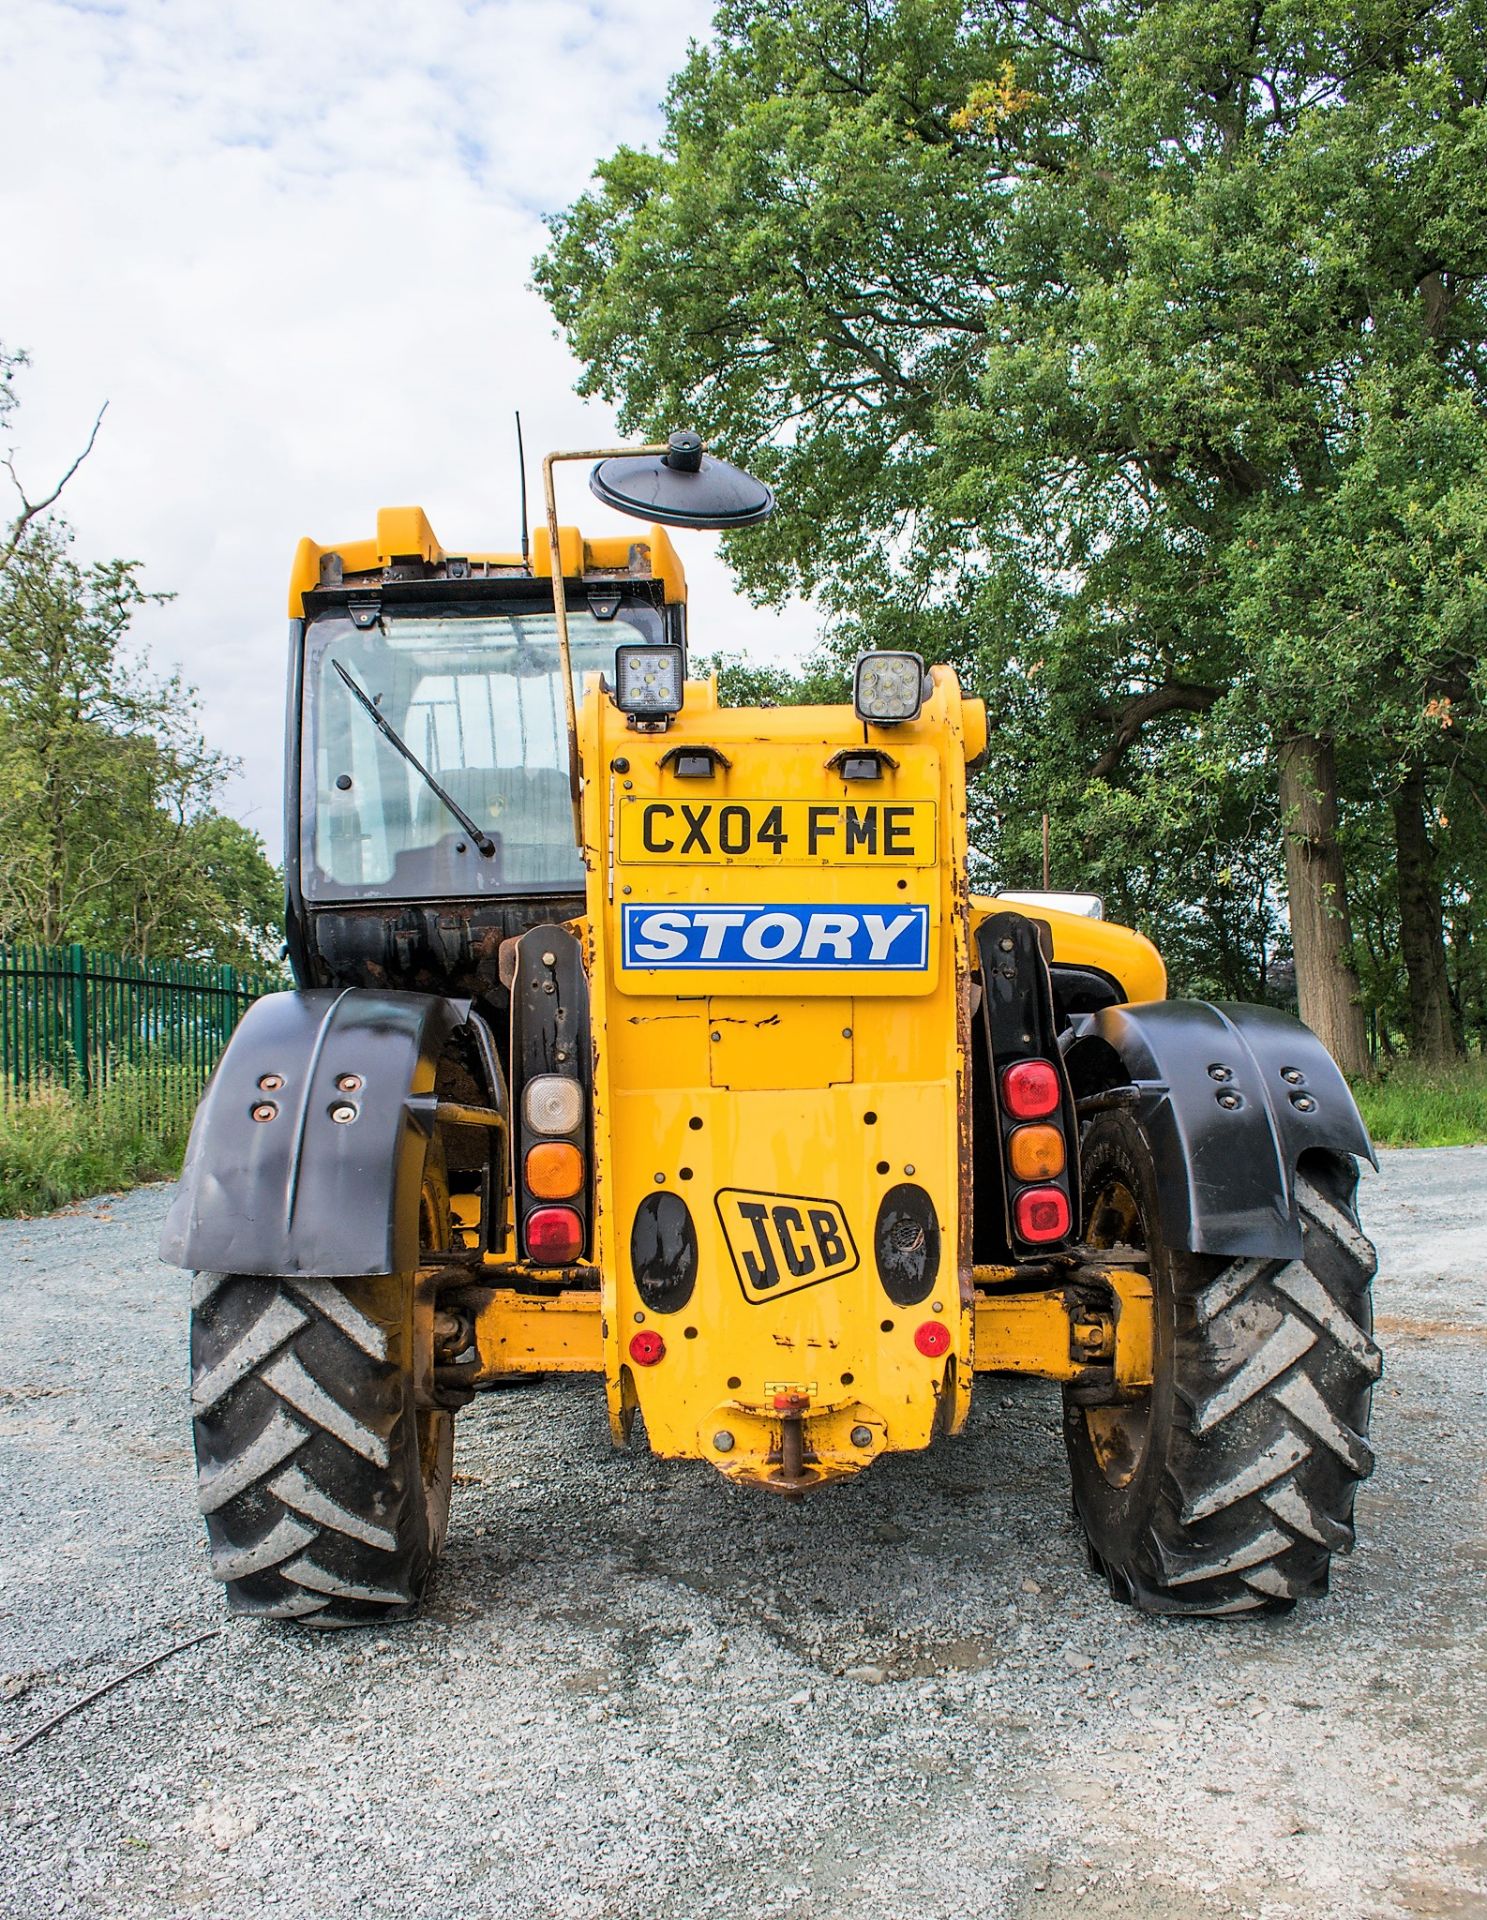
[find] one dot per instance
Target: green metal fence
(147, 1032)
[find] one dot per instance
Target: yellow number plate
(772, 833)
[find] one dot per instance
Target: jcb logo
(781, 1242)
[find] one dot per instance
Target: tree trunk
(54, 811)
(1422, 940)
(1326, 985)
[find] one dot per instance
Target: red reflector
(1030, 1089)
(1042, 1213)
(554, 1235)
(646, 1348)
(933, 1338)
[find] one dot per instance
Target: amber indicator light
(1036, 1153)
(554, 1170)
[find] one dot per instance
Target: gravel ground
(639, 1691)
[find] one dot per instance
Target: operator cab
(430, 814)
(475, 693)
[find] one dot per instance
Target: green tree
(108, 833)
(820, 680)
(1134, 351)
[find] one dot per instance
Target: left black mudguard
(1230, 1097)
(298, 1192)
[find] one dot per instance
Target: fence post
(77, 970)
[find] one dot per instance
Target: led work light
(888, 687)
(648, 681)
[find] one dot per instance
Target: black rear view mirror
(682, 487)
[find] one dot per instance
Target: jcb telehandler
(647, 1037)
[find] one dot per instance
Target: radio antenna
(521, 469)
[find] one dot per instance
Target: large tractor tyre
(324, 1486)
(1229, 1486)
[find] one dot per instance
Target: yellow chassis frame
(1048, 1333)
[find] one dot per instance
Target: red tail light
(933, 1338)
(646, 1348)
(1030, 1089)
(1042, 1213)
(554, 1235)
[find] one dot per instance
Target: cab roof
(405, 547)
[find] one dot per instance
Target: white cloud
(290, 244)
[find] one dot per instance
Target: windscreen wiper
(390, 733)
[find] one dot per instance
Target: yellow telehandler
(642, 1036)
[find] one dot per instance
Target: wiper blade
(390, 733)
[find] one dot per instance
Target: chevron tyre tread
(324, 1490)
(1240, 1485)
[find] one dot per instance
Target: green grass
(1412, 1106)
(57, 1146)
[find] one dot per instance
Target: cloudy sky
(290, 245)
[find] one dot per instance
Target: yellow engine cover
(779, 968)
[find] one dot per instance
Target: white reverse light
(553, 1104)
(888, 687)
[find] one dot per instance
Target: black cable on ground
(36, 1733)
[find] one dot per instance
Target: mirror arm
(560, 608)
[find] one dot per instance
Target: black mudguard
(298, 1192)
(1229, 1097)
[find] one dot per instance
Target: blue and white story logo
(814, 939)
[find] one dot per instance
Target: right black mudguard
(1230, 1098)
